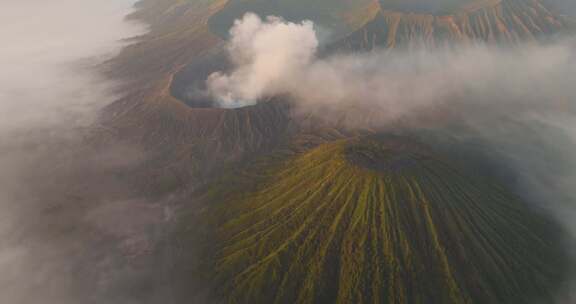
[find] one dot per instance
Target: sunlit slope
(493, 21)
(379, 221)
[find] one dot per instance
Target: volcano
(186, 42)
(379, 220)
(340, 218)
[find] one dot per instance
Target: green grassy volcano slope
(379, 221)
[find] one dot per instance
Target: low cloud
(71, 229)
(47, 52)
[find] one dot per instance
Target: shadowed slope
(380, 221)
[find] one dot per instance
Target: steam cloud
(276, 57)
(60, 232)
(266, 54)
(517, 103)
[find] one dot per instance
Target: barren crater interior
(189, 85)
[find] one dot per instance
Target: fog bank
(71, 228)
(47, 51)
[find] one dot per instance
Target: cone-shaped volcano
(381, 221)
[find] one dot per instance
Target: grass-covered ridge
(379, 221)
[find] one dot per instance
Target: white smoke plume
(275, 57)
(265, 53)
(65, 217)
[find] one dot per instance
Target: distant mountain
(492, 21)
(564, 7)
